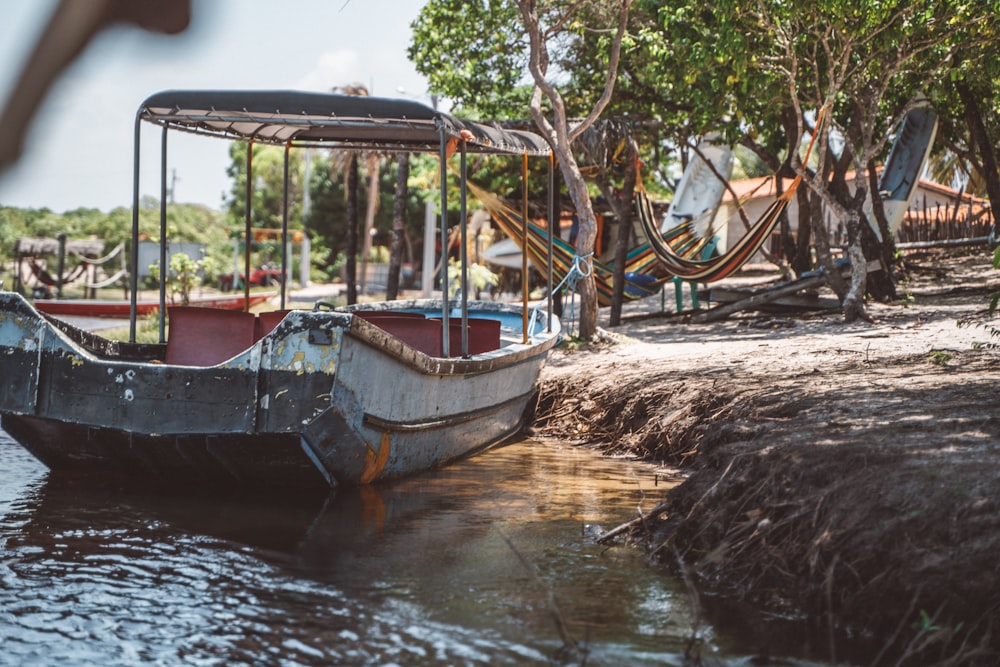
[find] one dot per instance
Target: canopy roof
(328, 120)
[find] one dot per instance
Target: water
(463, 566)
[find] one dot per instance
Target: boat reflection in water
(416, 572)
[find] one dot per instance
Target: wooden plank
(810, 300)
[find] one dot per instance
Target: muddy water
(464, 566)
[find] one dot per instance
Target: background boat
(907, 157)
(118, 308)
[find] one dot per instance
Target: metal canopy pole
(553, 213)
(164, 267)
(134, 253)
(443, 178)
(464, 256)
(284, 230)
(247, 229)
(524, 253)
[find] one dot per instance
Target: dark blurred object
(72, 25)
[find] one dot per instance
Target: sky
(79, 150)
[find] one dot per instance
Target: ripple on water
(428, 571)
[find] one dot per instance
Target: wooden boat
(907, 157)
(290, 398)
(120, 308)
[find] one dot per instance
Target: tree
(870, 64)
(398, 225)
(557, 130)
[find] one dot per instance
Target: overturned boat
(286, 398)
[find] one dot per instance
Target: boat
(699, 192)
(909, 153)
(289, 398)
(505, 253)
(121, 308)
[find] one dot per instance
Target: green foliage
(473, 52)
(939, 358)
(184, 274)
(267, 200)
(185, 222)
(478, 275)
(992, 330)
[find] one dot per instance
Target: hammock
(564, 259)
(717, 268)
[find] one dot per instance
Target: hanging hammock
(564, 259)
(716, 268)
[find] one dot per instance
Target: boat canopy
(329, 120)
(297, 119)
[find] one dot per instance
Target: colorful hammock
(638, 285)
(716, 268)
(649, 266)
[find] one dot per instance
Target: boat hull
(909, 153)
(324, 398)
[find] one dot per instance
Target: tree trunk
(881, 285)
(854, 300)
(351, 264)
(398, 226)
(585, 241)
(974, 119)
(803, 240)
(623, 212)
(823, 255)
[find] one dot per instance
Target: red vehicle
(262, 276)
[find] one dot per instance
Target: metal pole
(553, 218)
(306, 208)
(443, 178)
(284, 231)
(463, 254)
(247, 230)
(164, 267)
(524, 254)
(134, 252)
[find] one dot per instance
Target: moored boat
(289, 398)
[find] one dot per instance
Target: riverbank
(844, 473)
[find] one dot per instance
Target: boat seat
(207, 336)
(484, 335)
(417, 332)
(424, 333)
(267, 321)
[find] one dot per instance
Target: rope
(109, 281)
(101, 260)
(581, 268)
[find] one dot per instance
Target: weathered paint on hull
(323, 396)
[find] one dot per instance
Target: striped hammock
(710, 270)
(638, 284)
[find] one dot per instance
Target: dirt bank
(846, 473)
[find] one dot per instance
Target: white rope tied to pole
(581, 269)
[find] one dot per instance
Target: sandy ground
(848, 475)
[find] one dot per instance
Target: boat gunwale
(501, 358)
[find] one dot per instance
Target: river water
(469, 565)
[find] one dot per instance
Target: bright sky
(79, 151)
